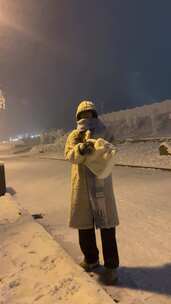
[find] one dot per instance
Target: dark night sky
(53, 53)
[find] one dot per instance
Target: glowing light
(2, 101)
(9, 20)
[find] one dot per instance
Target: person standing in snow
(85, 188)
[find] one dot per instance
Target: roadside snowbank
(142, 154)
(138, 154)
(35, 269)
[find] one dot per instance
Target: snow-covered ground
(34, 268)
(129, 153)
(142, 154)
(138, 154)
(144, 233)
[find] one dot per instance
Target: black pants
(87, 241)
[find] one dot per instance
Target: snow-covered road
(144, 204)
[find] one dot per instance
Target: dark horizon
(54, 54)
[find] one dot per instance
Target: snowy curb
(34, 267)
(143, 167)
(53, 158)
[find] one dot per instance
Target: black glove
(86, 148)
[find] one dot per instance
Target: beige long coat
(80, 211)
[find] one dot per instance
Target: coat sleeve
(72, 152)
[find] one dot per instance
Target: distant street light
(2, 101)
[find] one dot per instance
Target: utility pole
(102, 108)
(2, 167)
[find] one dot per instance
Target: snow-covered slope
(148, 120)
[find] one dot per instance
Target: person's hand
(86, 148)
